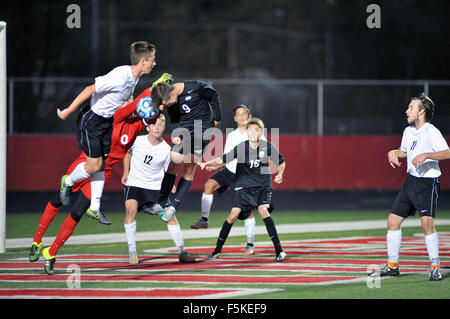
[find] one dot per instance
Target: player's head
(255, 128)
(164, 95)
(241, 115)
(157, 128)
(425, 104)
(420, 106)
(143, 54)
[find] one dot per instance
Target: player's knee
(211, 186)
(428, 225)
(394, 222)
(263, 213)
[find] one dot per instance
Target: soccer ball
(145, 108)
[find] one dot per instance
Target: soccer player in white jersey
(95, 123)
(144, 168)
(423, 146)
(225, 178)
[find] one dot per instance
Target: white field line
(214, 232)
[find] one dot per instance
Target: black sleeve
(174, 115)
(211, 95)
(275, 155)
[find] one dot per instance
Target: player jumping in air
(95, 124)
(127, 126)
(189, 106)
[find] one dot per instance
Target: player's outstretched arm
(212, 163)
(393, 157)
(80, 99)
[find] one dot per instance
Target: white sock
(177, 236)
(432, 243)
(250, 228)
(207, 200)
(394, 240)
(130, 231)
(77, 174)
(97, 183)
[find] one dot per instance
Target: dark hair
(426, 104)
(242, 106)
(160, 92)
(139, 50)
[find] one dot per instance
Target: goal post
(2, 137)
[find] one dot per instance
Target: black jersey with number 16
(253, 165)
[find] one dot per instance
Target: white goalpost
(2, 137)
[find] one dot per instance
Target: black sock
(182, 188)
(272, 231)
(223, 235)
(205, 219)
(166, 187)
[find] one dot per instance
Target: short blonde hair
(255, 121)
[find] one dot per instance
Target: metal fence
(295, 106)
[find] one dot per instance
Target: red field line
(112, 293)
(234, 279)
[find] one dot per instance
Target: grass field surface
(320, 265)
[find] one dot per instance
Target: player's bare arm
(280, 171)
(126, 167)
(214, 162)
(393, 157)
(80, 99)
(438, 156)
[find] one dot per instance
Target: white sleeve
(228, 144)
(438, 142)
(166, 164)
(403, 146)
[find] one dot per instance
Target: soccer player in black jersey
(253, 186)
(193, 107)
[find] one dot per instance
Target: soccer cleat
(35, 251)
(133, 258)
(49, 261)
(281, 256)
(186, 257)
(435, 274)
(98, 215)
(249, 249)
(166, 77)
(213, 256)
(64, 191)
(200, 224)
(167, 215)
(385, 271)
(156, 209)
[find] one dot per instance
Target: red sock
(47, 217)
(65, 231)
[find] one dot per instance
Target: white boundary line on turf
(214, 232)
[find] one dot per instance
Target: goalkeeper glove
(166, 77)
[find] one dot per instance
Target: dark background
(264, 41)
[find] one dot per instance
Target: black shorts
(224, 178)
(143, 196)
(192, 143)
(94, 133)
(417, 194)
(248, 198)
